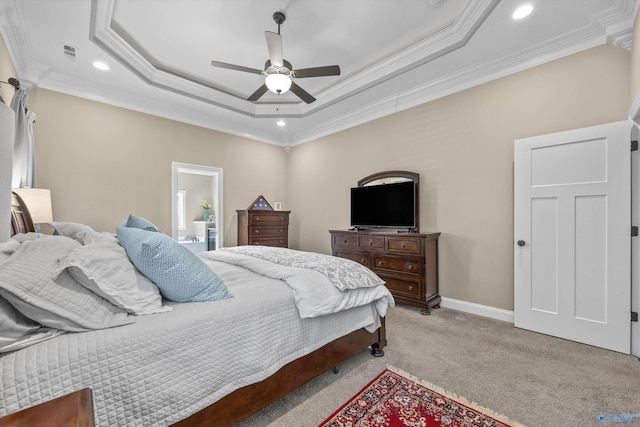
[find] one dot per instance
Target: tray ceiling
(392, 54)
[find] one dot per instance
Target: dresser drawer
(407, 262)
(405, 245)
(402, 286)
(343, 241)
(263, 227)
(371, 242)
(269, 218)
(268, 231)
(363, 259)
(269, 241)
(404, 265)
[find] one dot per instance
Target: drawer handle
(257, 231)
(410, 267)
(344, 241)
(363, 260)
(380, 263)
(404, 245)
(370, 242)
(410, 288)
(257, 218)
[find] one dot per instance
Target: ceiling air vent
(69, 52)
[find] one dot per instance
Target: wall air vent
(70, 52)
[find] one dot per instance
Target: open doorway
(197, 206)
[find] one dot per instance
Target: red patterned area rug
(395, 398)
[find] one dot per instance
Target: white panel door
(572, 222)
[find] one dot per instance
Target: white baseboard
(478, 309)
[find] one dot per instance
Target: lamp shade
(38, 202)
(278, 83)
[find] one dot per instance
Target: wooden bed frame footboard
(248, 400)
(76, 409)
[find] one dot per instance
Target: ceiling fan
(278, 71)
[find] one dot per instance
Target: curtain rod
(13, 82)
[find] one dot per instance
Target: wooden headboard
(20, 218)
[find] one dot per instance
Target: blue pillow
(179, 274)
(141, 223)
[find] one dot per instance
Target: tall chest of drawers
(407, 262)
(263, 227)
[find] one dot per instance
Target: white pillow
(81, 233)
(105, 269)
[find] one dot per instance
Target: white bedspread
(343, 273)
(169, 365)
(316, 283)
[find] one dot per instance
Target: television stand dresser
(408, 262)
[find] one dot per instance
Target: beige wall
(103, 163)
(462, 147)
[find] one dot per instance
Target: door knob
(521, 243)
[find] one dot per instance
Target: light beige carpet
(532, 378)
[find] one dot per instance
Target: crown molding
(613, 26)
(105, 33)
(616, 30)
(15, 34)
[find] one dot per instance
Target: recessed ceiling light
(101, 65)
(281, 123)
(522, 12)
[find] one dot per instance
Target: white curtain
(24, 174)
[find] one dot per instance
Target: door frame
(216, 175)
(634, 116)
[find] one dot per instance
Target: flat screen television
(384, 206)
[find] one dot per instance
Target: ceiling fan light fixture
(278, 83)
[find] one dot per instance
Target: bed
(194, 363)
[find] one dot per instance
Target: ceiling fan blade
(258, 93)
(235, 67)
(330, 70)
(274, 44)
(302, 94)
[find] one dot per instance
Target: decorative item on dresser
(407, 262)
(259, 224)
